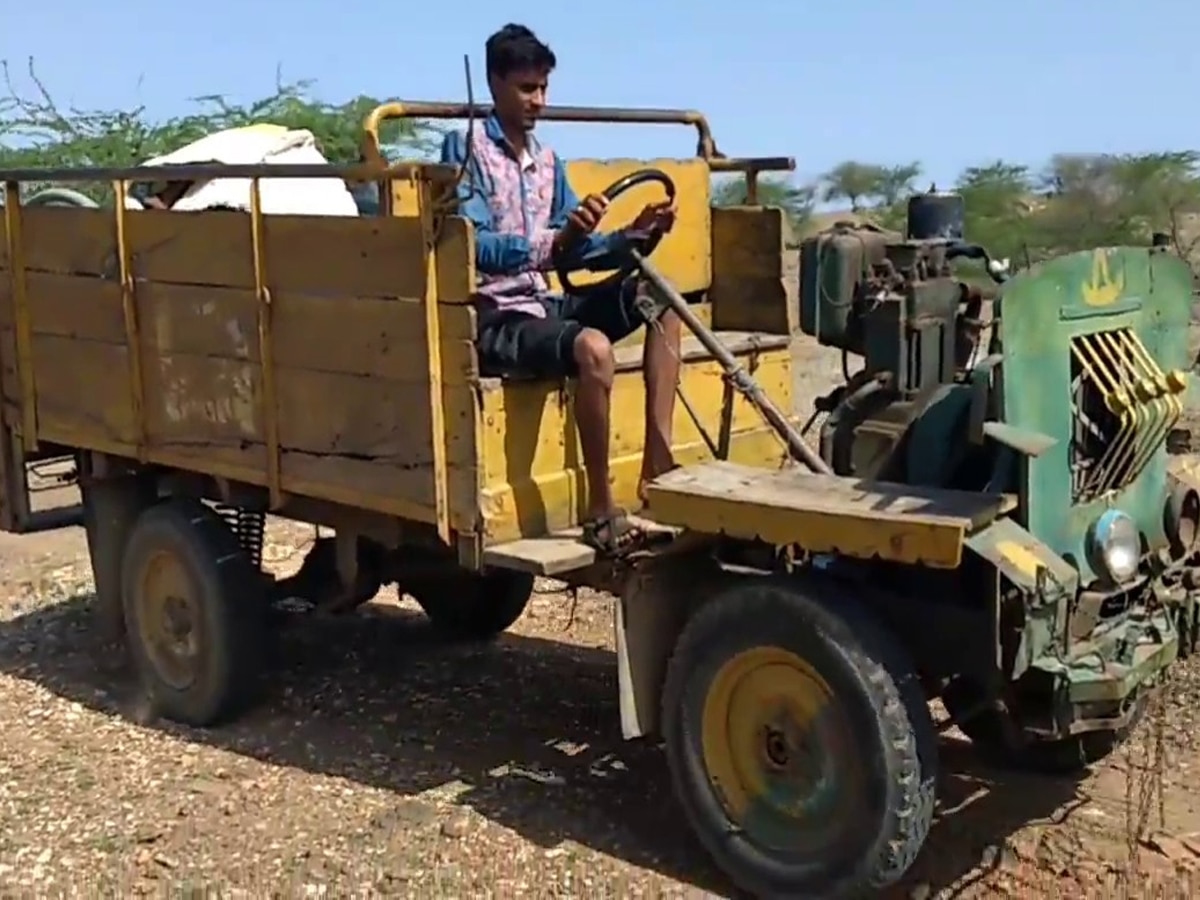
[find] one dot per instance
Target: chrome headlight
(1116, 546)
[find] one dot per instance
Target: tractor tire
(473, 606)
(799, 740)
(194, 614)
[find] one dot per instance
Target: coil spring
(249, 525)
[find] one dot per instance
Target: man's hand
(582, 220)
(656, 217)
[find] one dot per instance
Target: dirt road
(382, 761)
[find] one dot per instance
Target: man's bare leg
(593, 397)
(660, 370)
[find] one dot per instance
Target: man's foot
(613, 534)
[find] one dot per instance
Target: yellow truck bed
(343, 369)
(351, 399)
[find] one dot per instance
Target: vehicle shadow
(529, 726)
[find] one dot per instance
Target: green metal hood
(1094, 356)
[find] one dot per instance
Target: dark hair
(514, 48)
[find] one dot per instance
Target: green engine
(1056, 387)
(894, 301)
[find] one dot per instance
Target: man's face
(521, 96)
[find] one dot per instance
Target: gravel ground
(384, 762)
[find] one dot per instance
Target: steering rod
(734, 371)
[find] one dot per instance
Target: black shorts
(516, 343)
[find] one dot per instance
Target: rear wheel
(193, 612)
(472, 605)
(799, 740)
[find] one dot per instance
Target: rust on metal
(405, 109)
(209, 171)
(130, 314)
(23, 328)
(266, 347)
(430, 238)
(706, 147)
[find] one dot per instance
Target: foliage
(798, 201)
(35, 131)
(1075, 201)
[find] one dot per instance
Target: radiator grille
(1122, 407)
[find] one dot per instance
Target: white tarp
(264, 143)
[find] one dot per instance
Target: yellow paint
(936, 542)
(685, 255)
(532, 464)
(1102, 289)
(555, 501)
(759, 692)
(755, 270)
(1020, 558)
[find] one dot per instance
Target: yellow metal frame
(266, 347)
(24, 336)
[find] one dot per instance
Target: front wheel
(799, 740)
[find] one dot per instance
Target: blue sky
(944, 83)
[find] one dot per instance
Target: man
(528, 220)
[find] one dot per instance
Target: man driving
(528, 221)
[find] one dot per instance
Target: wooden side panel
(351, 362)
(755, 283)
(372, 256)
(533, 473)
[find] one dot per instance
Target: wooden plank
(370, 256)
(352, 433)
(382, 337)
(555, 554)
(629, 356)
(824, 513)
(691, 350)
(755, 279)
(456, 261)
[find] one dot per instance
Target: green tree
(854, 182)
(35, 131)
(797, 201)
(895, 183)
(997, 200)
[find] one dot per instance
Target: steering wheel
(647, 244)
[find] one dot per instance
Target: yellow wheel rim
(777, 750)
(168, 617)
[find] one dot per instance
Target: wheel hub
(777, 750)
(169, 620)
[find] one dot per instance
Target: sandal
(613, 535)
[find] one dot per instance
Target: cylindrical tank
(936, 216)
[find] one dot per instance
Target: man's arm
(495, 253)
(597, 252)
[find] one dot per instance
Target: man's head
(518, 70)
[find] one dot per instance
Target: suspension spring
(249, 525)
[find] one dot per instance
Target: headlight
(1116, 546)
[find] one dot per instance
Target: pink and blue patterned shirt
(517, 205)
